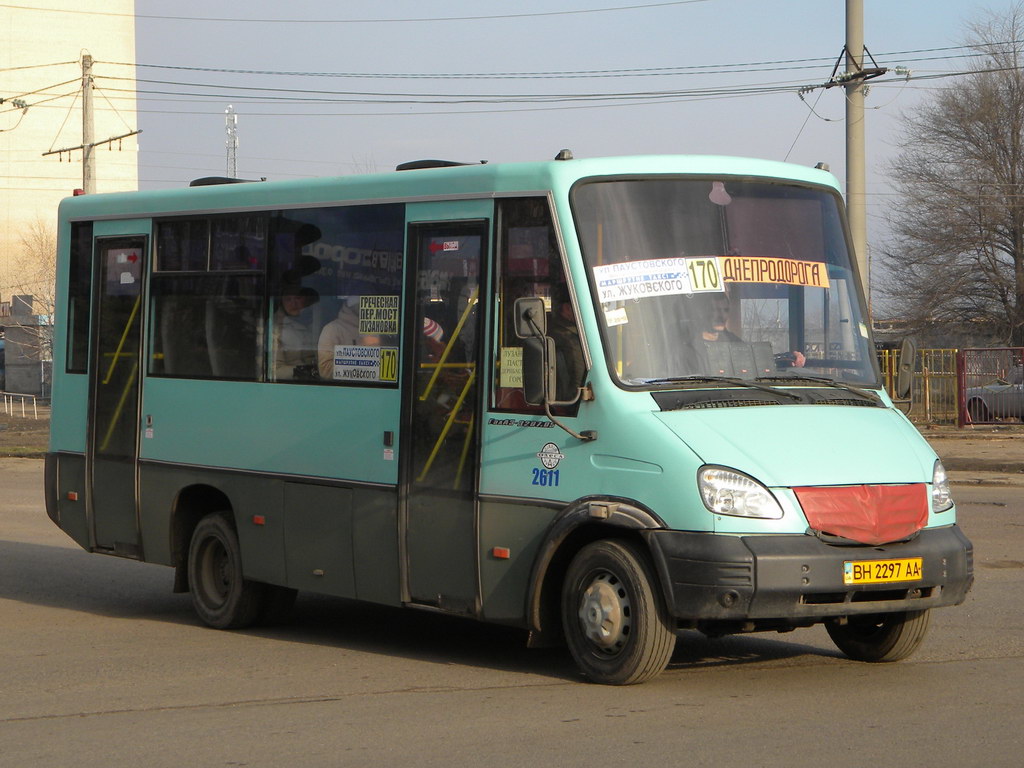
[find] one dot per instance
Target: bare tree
(35, 268)
(956, 259)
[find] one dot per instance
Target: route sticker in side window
(367, 364)
(378, 315)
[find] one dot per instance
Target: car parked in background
(1003, 398)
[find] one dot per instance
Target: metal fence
(990, 386)
(16, 404)
(935, 388)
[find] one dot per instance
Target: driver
(714, 314)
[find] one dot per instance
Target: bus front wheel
(880, 637)
(615, 622)
(221, 597)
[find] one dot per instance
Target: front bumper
(799, 578)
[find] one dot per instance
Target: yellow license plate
(881, 571)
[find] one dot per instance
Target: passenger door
(441, 459)
(115, 386)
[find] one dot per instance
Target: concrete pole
(88, 171)
(231, 126)
(856, 203)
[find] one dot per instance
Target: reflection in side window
(336, 277)
(304, 295)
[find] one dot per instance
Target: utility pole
(856, 204)
(231, 126)
(88, 171)
(88, 143)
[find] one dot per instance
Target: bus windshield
(699, 279)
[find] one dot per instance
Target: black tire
(881, 637)
(613, 615)
(221, 597)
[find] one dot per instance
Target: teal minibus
(607, 401)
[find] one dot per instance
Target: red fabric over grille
(870, 514)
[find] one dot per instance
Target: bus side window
(530, 265)
(79, 296)
(233, 325)
(208, 295)
(342, 267)
(182, 337)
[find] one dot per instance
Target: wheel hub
(604, 613)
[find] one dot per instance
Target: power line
(256, 95)
(725, 68)
(236, 20)
(36, 66)
(262, 91)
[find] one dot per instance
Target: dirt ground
(24, 436)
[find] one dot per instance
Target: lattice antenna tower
(231, 128)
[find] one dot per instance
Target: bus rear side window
(183, 246)
(208, 326)
(79, 296)
(208, 298)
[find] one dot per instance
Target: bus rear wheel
(880, 637)
(615, 623)
(221, 597)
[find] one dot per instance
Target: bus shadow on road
(695, 650)
(71, 579)
(445, 639)
(67, 579)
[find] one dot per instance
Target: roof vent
(823, 167)
(564, 154)
(415, 165)
(209, 181)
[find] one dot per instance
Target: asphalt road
(100, 664)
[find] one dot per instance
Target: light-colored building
(42, 44)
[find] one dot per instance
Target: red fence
(990, 385)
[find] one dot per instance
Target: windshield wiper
(729, 380)
(865, 393)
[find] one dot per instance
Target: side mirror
(531, 318)
(905, 372)
(538, 370)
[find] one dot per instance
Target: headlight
(942, 499)
(729, 493)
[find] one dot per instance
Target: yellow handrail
(451, 343)
(120, 344)
(120, 406)
(448, 425)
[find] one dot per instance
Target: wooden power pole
(88, 143)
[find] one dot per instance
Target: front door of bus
(441, 459)
(115, 376)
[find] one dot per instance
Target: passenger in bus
(294, 350)
(342, 331)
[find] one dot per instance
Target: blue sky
(766, 49)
